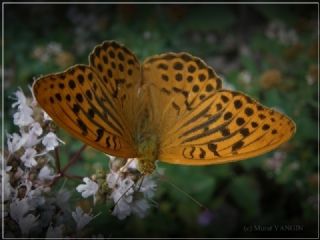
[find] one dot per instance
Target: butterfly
(171, 108)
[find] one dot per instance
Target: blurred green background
(267, 51)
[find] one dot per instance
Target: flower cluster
(53, 51)
(33, 207)
(275, 162)
(30, 207)
(32, 141)
(130, 191)
(85, 25)
(277, 30)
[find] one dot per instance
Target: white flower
(46, 173)
(123, 184)
(28, 222)
(54, 232)
(140, 207)
(147, 35)
(62, 198)
(8, 168)
(29, 139)
(122, 209)
(34, 100)
(23, 116)
(125, 206)
(275, 162)
(123, 190)
(36, 129)
(46, 117)
(19, 173)
(81, 218)
(21, 99)
(25, 183)
(89, 188)
(7, 188)
(15, 142)
(54, 48)
(121, 194)
(112, 158)
(28, 158)
(50, 141)
(147, 187)
(245, 77)
(18, 208)
(35, 197)
(112, 179)
(133, 164)
(278, 30)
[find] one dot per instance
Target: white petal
(23, 117)
(81, 218)
(46, 173)
(88, 189)
(36, 129)
(46, 117)
(20, 97)
(51, 141)
(18, 208)
(14, 142)
(121, 210)
(27, 222)
(112, 178)
(54, 232)
(28, 158)
(140, 207)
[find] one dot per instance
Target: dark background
(267, 51)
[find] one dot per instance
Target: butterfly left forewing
(77, 101)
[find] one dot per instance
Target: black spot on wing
(99, 134)
(213, 148)
(202, 153)
(237, 146)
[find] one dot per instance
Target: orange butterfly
(172, 108)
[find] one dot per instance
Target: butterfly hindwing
(228, 126)
(77, 101)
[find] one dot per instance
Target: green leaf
(245, 194)
(191, 180)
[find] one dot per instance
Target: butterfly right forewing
(200, 123)
(227, 126)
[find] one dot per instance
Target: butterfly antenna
(116, 203)
(142, 178)
(183, 192)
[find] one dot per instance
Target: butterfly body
(148, 154)
(171, 108)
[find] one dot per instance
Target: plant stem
(74, 159)
(73, 176)
(62, 173)
(57, 159)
